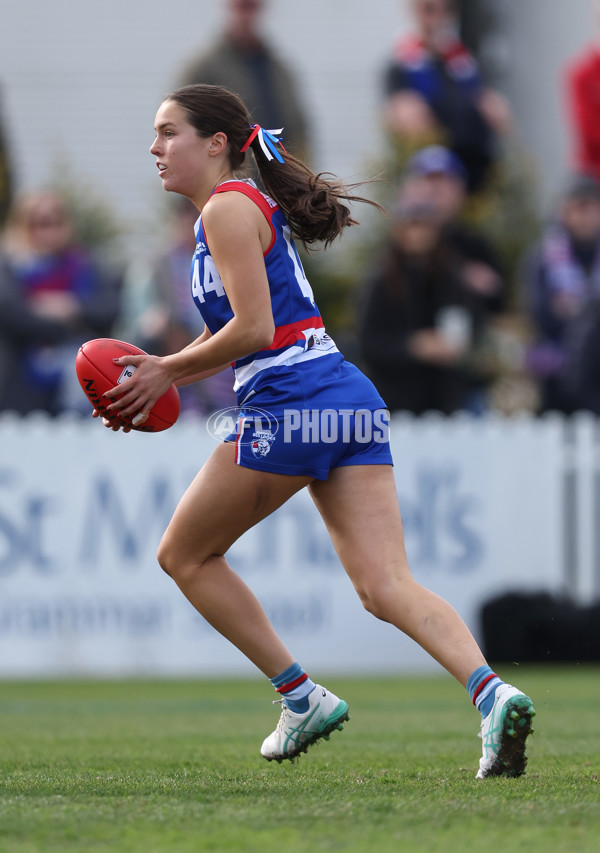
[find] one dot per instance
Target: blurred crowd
(444, 319)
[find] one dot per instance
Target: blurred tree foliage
(97, 225)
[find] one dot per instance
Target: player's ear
(218, 143)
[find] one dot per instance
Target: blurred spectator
(5, 175)
(582, 84)
(438, 177)
(434, 92)
(53, 297)
(419, 322)
(244, 62)
(159, 314)
(561, 280)
(582, 372)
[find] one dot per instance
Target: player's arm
(236, 231)
(203, 374)
(197, 377)
(200, 339)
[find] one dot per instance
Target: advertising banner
(82, 510)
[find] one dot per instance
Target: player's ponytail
(316, 205)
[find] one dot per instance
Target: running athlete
(261, 317)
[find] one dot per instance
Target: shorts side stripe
(238, 443)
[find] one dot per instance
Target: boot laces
(285, 714)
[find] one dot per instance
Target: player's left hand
(137, 394)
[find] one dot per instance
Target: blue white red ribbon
(268, 140)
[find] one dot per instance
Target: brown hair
(312, 203)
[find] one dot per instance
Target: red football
(97, 373)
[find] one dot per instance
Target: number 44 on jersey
(211, 280)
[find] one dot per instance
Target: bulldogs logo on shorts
(261, 443)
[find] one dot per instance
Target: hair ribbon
(268, 140)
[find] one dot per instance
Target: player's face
(181, 154)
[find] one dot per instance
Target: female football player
(323, 424)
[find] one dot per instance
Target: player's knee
(183, 567)
(169, 556)
(377, 599)
(372, 603)
(174, 565)
(163, 555)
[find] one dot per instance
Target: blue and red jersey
(299, 331)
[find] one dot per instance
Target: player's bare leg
(224, 501)
(360, 508)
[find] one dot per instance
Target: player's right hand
(110, 424)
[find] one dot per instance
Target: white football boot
(504, 732)
(296, 732)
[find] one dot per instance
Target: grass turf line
(175, 766)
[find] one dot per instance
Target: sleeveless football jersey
(299, 331)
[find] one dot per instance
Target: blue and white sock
(294, 685)
(482, 686)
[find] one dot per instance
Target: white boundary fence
(489, 505)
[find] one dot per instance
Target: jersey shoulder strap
(268, 206)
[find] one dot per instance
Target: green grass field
(147, 767)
